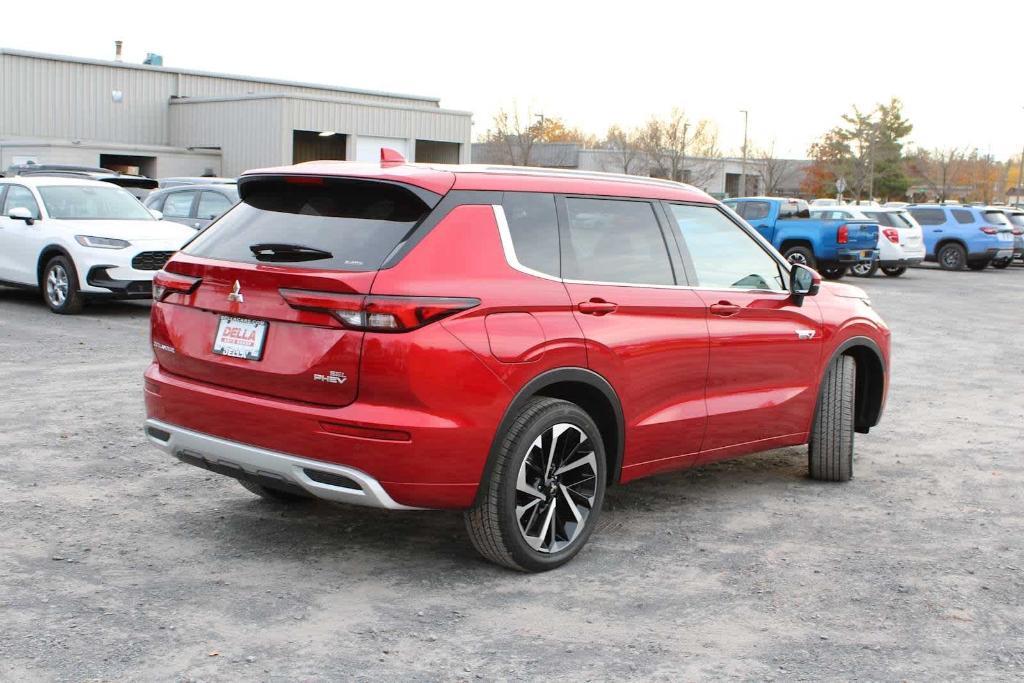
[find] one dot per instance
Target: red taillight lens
(892, 234)
(165, 284)
(1018, 231)
(988, 230)
(378, 313)
(843, 234)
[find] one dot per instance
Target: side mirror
(156, 214)
(20, 213)
(803, 281)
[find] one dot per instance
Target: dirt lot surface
(118, 563)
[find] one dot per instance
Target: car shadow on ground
(325, 531)
(27, 298)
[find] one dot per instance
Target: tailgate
(299, 355)
(862, 235)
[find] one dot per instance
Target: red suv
(504, 341)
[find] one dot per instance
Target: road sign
(840, 184)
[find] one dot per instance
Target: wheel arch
(47, 253)
(581, 386)
(795, 242)
(870, 385)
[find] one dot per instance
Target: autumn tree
(513, 137)
(627, 147)
(937, 169)
(775, 172)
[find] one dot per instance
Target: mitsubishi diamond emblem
(236, 294)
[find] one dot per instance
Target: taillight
(988, 230)
(1018, 231)
(378, 313)
(165, 284)
(892, 234)
(843, 234)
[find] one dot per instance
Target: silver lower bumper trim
(259, 462)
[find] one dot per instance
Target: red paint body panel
(420, 409)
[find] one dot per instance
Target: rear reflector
(843, 234)
(365, 432)
(378, 313)
(892, 234)
(165, 284)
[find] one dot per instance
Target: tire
(801, 255)
(864, 269)
(272, 494)
(1001, 264)
(894, 272)
(830, 450)
(951, 256)
(978, 265)
(522, 476)
(832, 271)
(59, 286)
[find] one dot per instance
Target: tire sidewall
(72, 302)
(955, 249)
(522, 553)
(807, 254)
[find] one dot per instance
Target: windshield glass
(87, 202)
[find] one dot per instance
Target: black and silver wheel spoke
(556, 487)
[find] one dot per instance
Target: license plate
(240, 338)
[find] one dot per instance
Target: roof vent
(118, 44)
(390, 156)
(153, 59)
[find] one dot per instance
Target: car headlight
(101, 242)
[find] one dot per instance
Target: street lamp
(743, 168)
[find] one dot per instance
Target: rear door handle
(724, 309)
(596, 307)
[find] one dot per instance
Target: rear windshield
(335, 224)
(888, 219)
(996, 218)
(1017, 219)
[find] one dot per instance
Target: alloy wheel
(951, 258)
(797, 257)
(861, 268)
(57, 286)
(556, 488)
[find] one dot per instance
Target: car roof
(441, 178)
(43, 181)
(215, 187)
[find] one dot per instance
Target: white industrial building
(161, 121)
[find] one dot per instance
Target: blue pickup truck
(828, 246)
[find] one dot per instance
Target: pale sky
(795, 66)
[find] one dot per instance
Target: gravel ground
(117, 563)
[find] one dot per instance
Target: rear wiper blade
(287, 253)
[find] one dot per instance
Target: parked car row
(955, 236)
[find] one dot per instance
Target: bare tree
(512, 138)
(937, 169)
(775, 172)
(627, 148)
(670, 142)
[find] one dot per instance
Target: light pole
(743, 168)
(1020, 176)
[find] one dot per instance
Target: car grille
(151, 260)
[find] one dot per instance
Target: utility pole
(682, 159)
(743, 170)
(1020, 176)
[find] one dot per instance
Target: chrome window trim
(509, 248)
(513, 262)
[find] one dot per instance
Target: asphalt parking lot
(118, 563)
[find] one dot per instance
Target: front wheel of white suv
(59, 285)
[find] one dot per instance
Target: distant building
(718, 177)
(162, 121)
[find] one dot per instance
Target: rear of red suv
(505, 342)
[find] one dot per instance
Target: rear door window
(324, 223)
(615, 241)
(963, 216)
(723, 254)
(179, 204)
(929, 216)
(533, 227)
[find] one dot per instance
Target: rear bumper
(320, 479)
(858, 256)
(901, 262)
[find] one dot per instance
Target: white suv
(81, 239)
(900, 238)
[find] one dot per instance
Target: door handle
(596, 307)
(724, 309)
